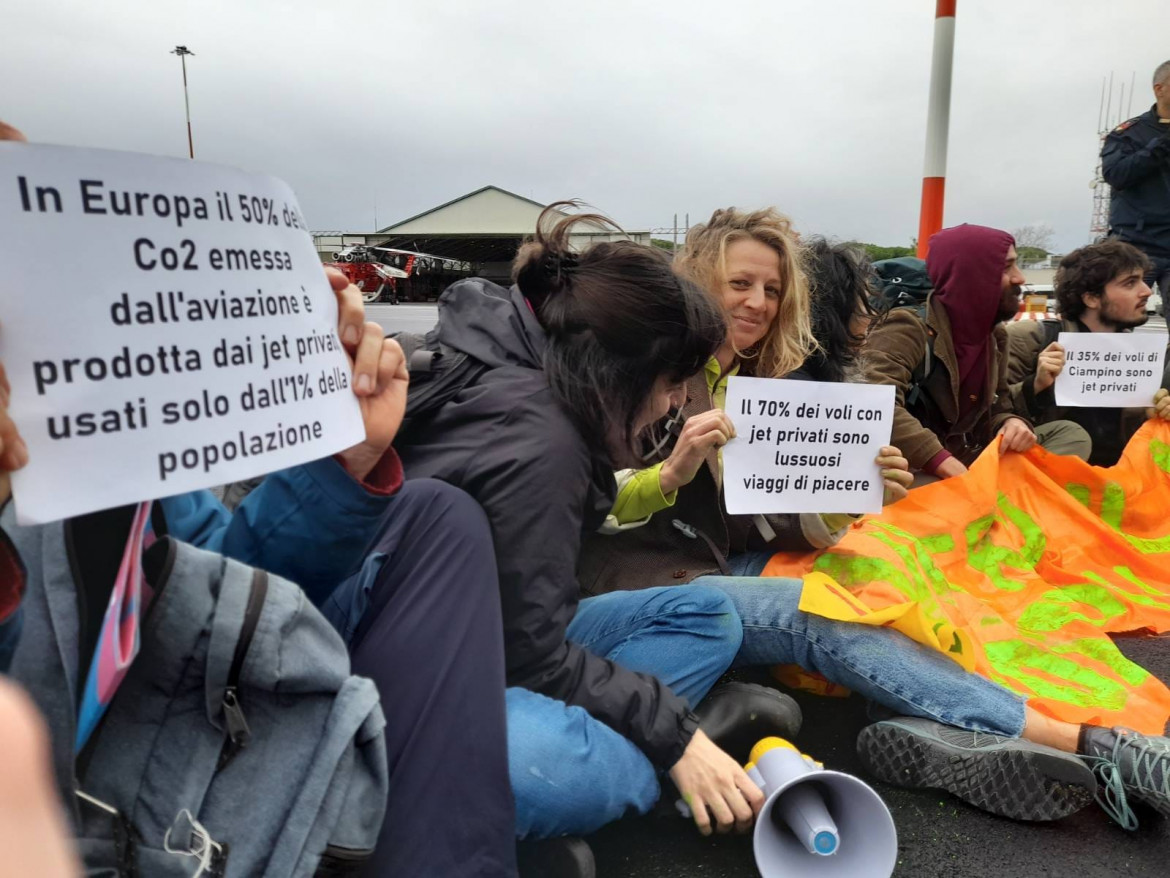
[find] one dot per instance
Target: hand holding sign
(700, 434)
(1049, 364)
(804, 446)
(380, 377)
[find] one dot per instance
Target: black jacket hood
(494, 325)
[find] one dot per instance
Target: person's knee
(1066, 438)
(438, 502)
(571, 774)
(709, 613)
(428, 511)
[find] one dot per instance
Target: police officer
(1136, 163)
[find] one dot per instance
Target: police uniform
(1136, 163)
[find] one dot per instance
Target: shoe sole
(1019, 784)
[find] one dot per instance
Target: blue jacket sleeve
(309, 524)
(1124, 165)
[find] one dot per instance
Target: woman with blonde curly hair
(721, 255)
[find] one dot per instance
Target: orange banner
(1018, 571)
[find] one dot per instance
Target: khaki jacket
(898, 348)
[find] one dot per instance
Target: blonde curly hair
(703, 259)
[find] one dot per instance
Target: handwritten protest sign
(166, 326)
(1110, 369)
(805, 446)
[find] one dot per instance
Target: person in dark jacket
(1135, 162)
(1099, 288)
(580, 355)
(949, 365)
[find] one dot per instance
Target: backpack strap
(922, 372)
(1051, 331)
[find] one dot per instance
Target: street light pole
(183, 52)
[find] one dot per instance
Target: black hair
(841, 286)
(617, 318)
(1089, 269)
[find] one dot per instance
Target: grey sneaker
(1005, 776)
(1128, 765)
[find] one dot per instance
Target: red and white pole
(938, 122)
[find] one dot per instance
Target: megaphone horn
(817, 823)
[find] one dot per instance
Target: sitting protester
(436, 610)
(949, 364)
(1099, 288)
(1017, 762)
(842, 311)
(564, 372)
(751, 264)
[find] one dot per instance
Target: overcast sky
(643, 109)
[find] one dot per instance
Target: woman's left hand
(896, 475)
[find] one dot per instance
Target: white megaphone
(817, 823)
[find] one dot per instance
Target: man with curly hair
(1099, 288)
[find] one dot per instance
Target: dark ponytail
(616, 319)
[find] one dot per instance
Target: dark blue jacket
(1136, 163)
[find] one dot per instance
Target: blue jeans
(572, 774)
(883, 665)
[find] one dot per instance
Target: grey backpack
(238, 744)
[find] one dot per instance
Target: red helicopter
(377, 276)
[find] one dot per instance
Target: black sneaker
(565, 857)
(1129, 765)
(1005, 776)
(737, 715)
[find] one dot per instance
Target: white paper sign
(1110, 369)
(805, 446)
(166, 326)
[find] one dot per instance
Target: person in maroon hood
(948, 360)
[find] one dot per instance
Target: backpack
(904, 283)
(238, 744)
(437, 373)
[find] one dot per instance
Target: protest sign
(1110, 369)
(166, 326)
(805, 446)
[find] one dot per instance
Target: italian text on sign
(805, 446)
(1110, 369)
(166, 326)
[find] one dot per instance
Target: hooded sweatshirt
(506, 441)
(948, 364)
(965, 265)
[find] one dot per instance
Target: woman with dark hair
(842, 310)
(669, 524)
(573, 362)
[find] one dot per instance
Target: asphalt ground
(937, 834)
